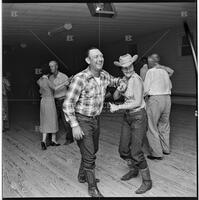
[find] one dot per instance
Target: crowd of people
(78, 101)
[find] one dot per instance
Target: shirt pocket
(90, 92)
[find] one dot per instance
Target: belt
(132, 111)
(90, 117)
(60, 98)
(158, 95)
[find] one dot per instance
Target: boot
(93, 190)
(146, 181)
(133, 172)
(81, 175)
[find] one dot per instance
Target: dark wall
(21, 64)
(184, 78)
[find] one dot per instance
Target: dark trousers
(89, 144)
(134, 129)
(60, 115)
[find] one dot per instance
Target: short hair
(88, 51)
(155, 57)
(53, 61)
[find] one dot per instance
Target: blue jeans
(89, 144)
(134, 129)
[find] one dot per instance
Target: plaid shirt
(86, 96)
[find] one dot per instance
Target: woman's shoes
(54, 144)
(43, 146)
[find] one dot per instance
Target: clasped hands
(122, 86)
(121, 89)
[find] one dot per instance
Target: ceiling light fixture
(99, 7)
(102, 9)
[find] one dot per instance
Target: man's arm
(72, 96)
(71, 99)
(112, 81)
(143, 71)
(137, 89)
(116, 94)
(54, 87)
(167, 69)
(147, 82)
(120, 89)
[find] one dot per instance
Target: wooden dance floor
(30, 172)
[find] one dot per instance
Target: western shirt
(86, 96)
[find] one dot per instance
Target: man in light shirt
(58, 78)
(157, 86)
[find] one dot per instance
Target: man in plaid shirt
(82, 106)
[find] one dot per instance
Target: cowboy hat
(126, 60)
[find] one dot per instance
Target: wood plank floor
(30, 172)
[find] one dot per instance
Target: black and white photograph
(99, 99)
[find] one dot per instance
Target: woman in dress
(48, 113)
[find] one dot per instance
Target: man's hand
(122, 86)
(45, 76)
(77, 132)
(113, 107)
(160, 67)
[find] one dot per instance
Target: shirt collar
(133, 75)
(58, 74)
(90, 75)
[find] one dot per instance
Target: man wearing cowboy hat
(134, 125)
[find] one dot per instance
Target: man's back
(157, 82)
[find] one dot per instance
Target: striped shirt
(86, 96)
